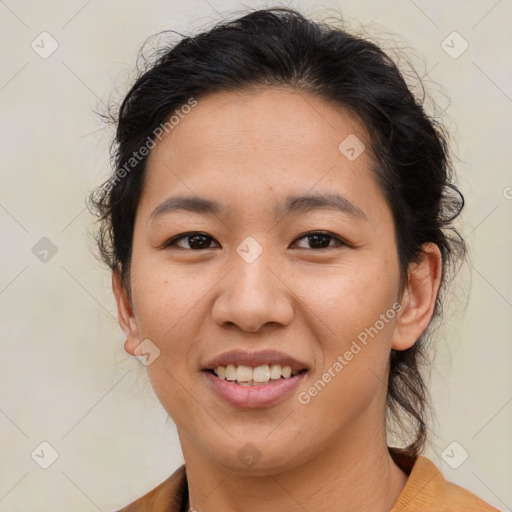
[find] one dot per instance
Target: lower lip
(250, 397)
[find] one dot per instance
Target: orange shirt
(426, 491)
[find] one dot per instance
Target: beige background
(64, 376)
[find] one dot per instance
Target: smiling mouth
(258, 376)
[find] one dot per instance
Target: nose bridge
(251, 294)
(251, 268)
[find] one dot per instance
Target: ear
(125, 315)
(419, 297)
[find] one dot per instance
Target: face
(265, 278)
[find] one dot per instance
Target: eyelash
(339, 241)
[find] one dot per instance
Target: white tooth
(261, 373)
(221, 372)
(275, 371)
(243, 373)
(286, 372)
(230, 372)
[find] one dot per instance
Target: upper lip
(254, 359)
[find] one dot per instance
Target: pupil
(203, 241)
(315, 239)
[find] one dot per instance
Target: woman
(279, 227)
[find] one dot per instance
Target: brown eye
(321, 240)
(194, 240)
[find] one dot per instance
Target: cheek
(345, 300)
(354, 322)
(354, 360)
(165, 296)
(169, 305)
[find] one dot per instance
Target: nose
(253, 294)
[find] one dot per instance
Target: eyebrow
(292, 204)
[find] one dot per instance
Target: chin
(256, 455)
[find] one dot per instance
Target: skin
(249, 150)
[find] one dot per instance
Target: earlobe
(125, 315)
(419, 297)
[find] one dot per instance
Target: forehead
(273, 117)
(258, 143)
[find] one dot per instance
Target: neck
(353, 474)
